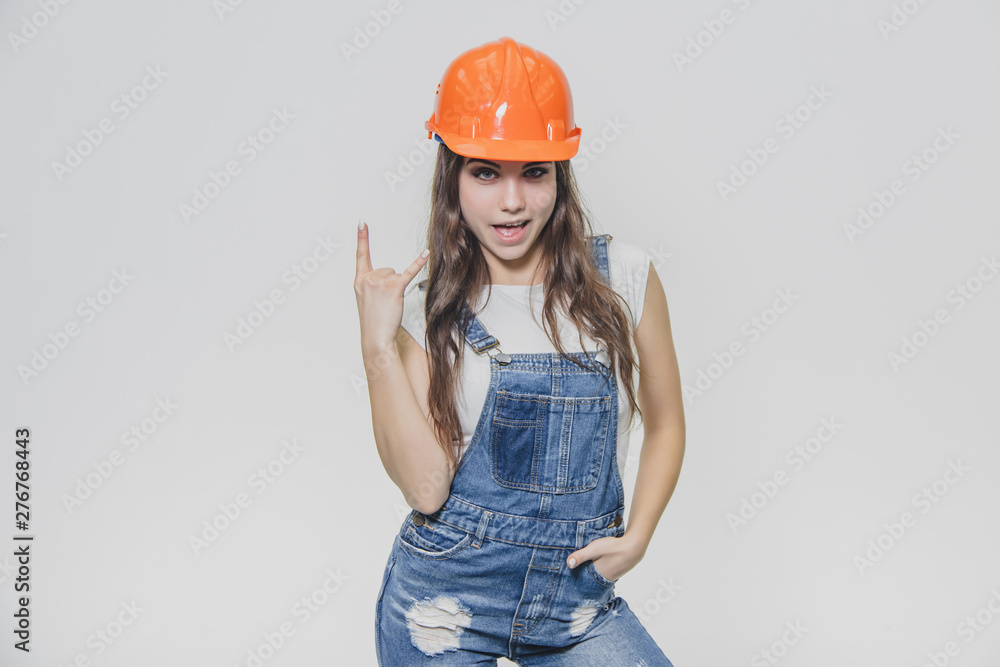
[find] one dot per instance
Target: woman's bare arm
(398, 379)
(660, 399)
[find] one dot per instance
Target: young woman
(507, 435)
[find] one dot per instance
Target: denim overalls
(486, 574)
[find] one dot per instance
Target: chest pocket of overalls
(549, 444)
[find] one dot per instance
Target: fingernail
(361, 225)
(572, 562)
(425, 252)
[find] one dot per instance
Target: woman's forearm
(406, 443)
(659, 468)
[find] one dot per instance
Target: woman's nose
(513, 198)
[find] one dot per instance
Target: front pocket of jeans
(600, 578)
(549, 444)
(437, 543)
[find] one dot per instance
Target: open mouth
(511, 233)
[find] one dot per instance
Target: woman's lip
(512, 235)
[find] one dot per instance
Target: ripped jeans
(449, 597)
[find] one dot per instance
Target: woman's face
(495, 192)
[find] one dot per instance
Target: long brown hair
(457, 272)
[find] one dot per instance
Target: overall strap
(476, 335)
(480, 340)
(599, 248)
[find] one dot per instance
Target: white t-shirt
(509, 318)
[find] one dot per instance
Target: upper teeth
(513, 224)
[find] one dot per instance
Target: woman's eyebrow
(497, 166)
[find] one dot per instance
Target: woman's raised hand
(380, 296)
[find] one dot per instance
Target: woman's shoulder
(628, 254)
(628, 265)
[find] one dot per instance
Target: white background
(358, 118)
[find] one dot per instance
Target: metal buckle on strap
(499, 356)
(502, 357)
(480, 350)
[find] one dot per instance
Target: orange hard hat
(505, 101)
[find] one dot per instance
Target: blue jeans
(463, 605)
(486, 575)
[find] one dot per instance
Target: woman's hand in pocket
(612, 556)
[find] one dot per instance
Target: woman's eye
(534, 172)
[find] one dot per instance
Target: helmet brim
(521, 150)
